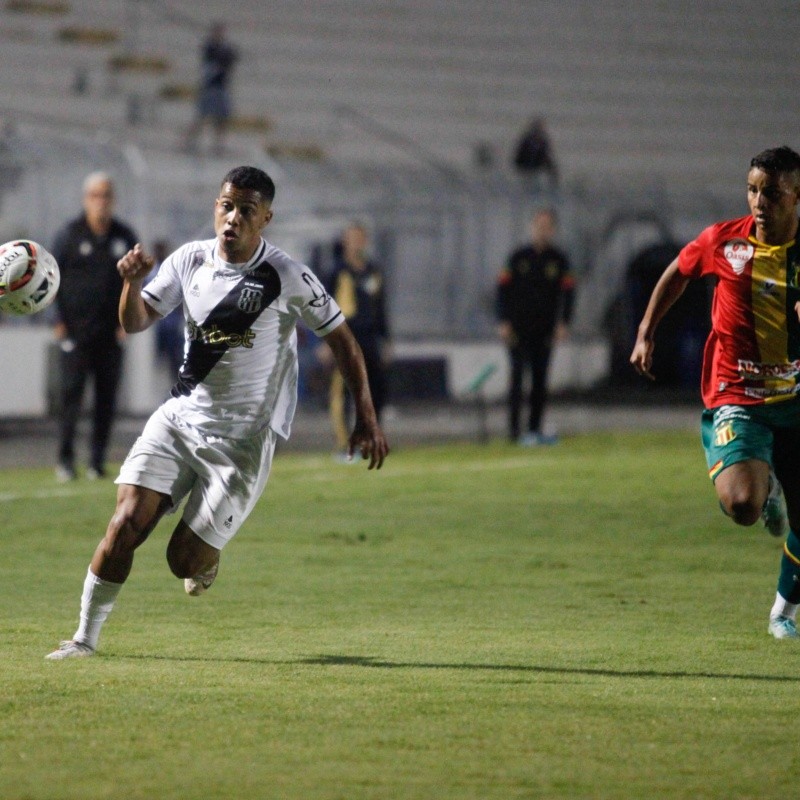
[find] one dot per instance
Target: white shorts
(223, 477)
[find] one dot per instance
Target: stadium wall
(29, 366)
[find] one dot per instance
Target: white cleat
(201, 582)
(70, 649)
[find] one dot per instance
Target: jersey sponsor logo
(768, 393)
(730, 412)
(226, 275)
(213, 335)
(738, 253)
(753, 370)
(321, 297)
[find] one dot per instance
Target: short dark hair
(251, 178)
(776, 160)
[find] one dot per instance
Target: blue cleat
(783, 628)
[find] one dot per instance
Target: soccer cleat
(774, 514)
(95, 473)
(70, 649)
(782, 627)
(201, 582)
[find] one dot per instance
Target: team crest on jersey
(250, 299)
(724, 434)
(738, 253)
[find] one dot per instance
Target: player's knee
(742, 507)
(125, 533)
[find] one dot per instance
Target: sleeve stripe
(329, 321)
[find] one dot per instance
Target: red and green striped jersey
(752, 354)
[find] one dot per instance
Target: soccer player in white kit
(213, 440)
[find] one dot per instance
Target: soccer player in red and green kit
(751, 362)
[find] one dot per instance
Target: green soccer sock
(789, 579)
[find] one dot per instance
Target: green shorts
(739, 433)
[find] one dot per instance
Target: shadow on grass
(370, 662)
(367, 661)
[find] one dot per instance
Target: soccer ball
(29, 277)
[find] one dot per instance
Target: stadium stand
(378, 110)
(626, 87)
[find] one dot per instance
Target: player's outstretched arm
(669, 288)
(367, 436)
(134, 314)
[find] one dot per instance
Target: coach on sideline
(87, 326)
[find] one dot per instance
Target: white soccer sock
(96, 604)
(783, 608)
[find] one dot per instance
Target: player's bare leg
(192, 559)
(742, 489)
(137, 512)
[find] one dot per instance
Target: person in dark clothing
(357, 285)
(87, 326)
(534, 306)
(533, 156)
(218, 58)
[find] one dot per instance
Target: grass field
(471, 622)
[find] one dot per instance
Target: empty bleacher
(629, 88)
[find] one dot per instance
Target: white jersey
(239, 372)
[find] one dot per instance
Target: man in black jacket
(534, 305)
(87, 326)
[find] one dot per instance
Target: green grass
(471, 622)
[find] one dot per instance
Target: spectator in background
(170, 337)
(86, 324)
(534, 306)
(213, 100)
(356, 283)
(533, 156)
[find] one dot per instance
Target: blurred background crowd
(439, 128)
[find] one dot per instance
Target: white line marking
(315, 468)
